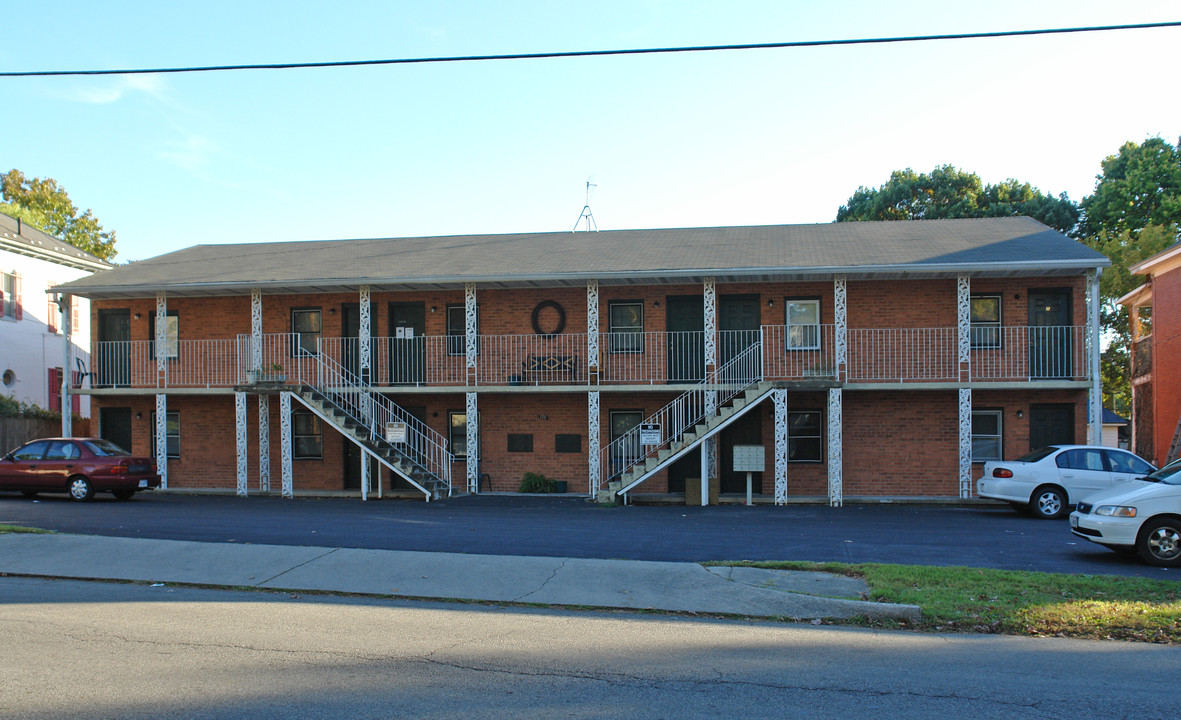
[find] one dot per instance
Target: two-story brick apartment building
(869, 359)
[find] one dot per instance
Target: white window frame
(999, 437)
(812, 329)
(624, 338)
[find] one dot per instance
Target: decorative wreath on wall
(558, 327)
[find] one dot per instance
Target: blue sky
(724, 138)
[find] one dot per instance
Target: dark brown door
(1050, 339)
(350, 332)
(114, 353)
(738, 329)
(114, 424)
(407, 343)
(1050, 425)
(746, 430)
(685, 324)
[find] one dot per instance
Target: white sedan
(1048, 481)
(1144, 515)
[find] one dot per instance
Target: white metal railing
(903, 354)
(203, 363)
(532, 360)
(1029, 353)
(123, 363)
(682, 414)
(283, 358)
(799, 352)
(424, 446)
(651, 357)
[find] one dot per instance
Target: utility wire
(590, 53)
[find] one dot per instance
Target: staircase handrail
(685, 412)
(424, 445)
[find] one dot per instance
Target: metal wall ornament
(558, 326)
(285, 442)
(965, 424)
(963, 317)
(264, 444)
(836, 491)
(593, 442)
(711, 322)
(255, 327)
(592, 320)
(473, 444)
(364, 332)
(780, 399)
(840, 319)
(161, 332)
(240, 437)
(470, 323)
(162, 438)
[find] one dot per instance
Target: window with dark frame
(306, 325)
(568, 443)
(985, 321)
(8, 295)
(520, 442)
(987, 438)
(457, 433)
(625, 325)
(457, 329)
(171, 431)
(805, 442)
(307, 436)
(802, 320)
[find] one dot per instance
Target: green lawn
(20, 529)
(964, 599)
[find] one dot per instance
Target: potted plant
(270, 374)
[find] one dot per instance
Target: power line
(590, 53)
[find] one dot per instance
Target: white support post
(840, 306)
(473, 444)
(963, 324)
(161, 339)
(264, 443)
(709, 448)
(364, 332)
(965, 425)
(592, 327)
(162, 438)
(593, 443)
(255, 329)
(364, 474)
(780, 398)
(470, 328)
(240, 435)
(1095, 393)
(285, 442)
(836, 492)
(67, 366)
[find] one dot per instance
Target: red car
(78, 466)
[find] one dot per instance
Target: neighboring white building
(32, 341)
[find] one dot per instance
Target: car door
(58, 464)
(1082, 471)
(1125, 466)
(19, 471)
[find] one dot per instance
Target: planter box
(265, 377)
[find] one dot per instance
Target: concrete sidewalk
(628, 584)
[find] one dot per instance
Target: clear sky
(722, 138)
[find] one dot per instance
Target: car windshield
(1038, 454)
(1169, 475)
(105, 447)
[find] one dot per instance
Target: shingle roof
(932, 248)
(25, 239)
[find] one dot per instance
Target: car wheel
(123, 494)
(1048, 502)
(80, 489)
(1160, 542)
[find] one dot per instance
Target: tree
(948, 192)
(1133, 214)
(46, 206)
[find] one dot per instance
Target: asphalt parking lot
(973, 535)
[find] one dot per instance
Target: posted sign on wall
(650, 434)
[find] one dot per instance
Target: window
(307, 435)
(63, 450)
(457, 329)
(171, 335)
(520, 443)
(1081, 459)
(53, 311)
(568, 443)
(457, 433)
(10, 308)
(305, 324)
(625, 320)
(171, 431)
(986, 435)
(803, 324)
(804, 441)
(1122, 462)
(985, 321)
(32, 451)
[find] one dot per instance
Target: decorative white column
(963, 324)
(285, 442)
(240, 435)
(264, 443)
(709, 448)
(162, 438)
(364, 361)
(473, 444)
(840, 321)
(67, 366)
(965, 425)
(470, 328)
(593, 444)
(364, 473)
(255, 329)
(836, 493)
(780, 398)
(1095, 393)
(592, 326)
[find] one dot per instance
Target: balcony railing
(806, 352)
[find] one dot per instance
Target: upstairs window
(171, 334)
(803, 324)
(985, 321)
(626, 324)
(305, 324)
(457, 329)
(10, 297)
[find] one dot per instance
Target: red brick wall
(1166, 361)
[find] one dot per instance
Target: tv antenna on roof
(586, 212)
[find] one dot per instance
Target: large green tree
(947, 192)
(1134, 213)
(45, 205)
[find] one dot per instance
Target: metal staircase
(689, 420)
(341, 399)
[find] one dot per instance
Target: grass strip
(964, 599)
(20, 529)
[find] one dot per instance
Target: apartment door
(738, 329)
(1050, 425)
(407, 343)
(1050, 339)
(684, 324)
(114, 424)
(746, 430)
(350, 332)
(114, 353)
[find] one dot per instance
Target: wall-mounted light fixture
(331, 311)
(137, 316)
(433, 308)
(656, 304)
(139, 416)
(1020, 413)
(770, 302)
